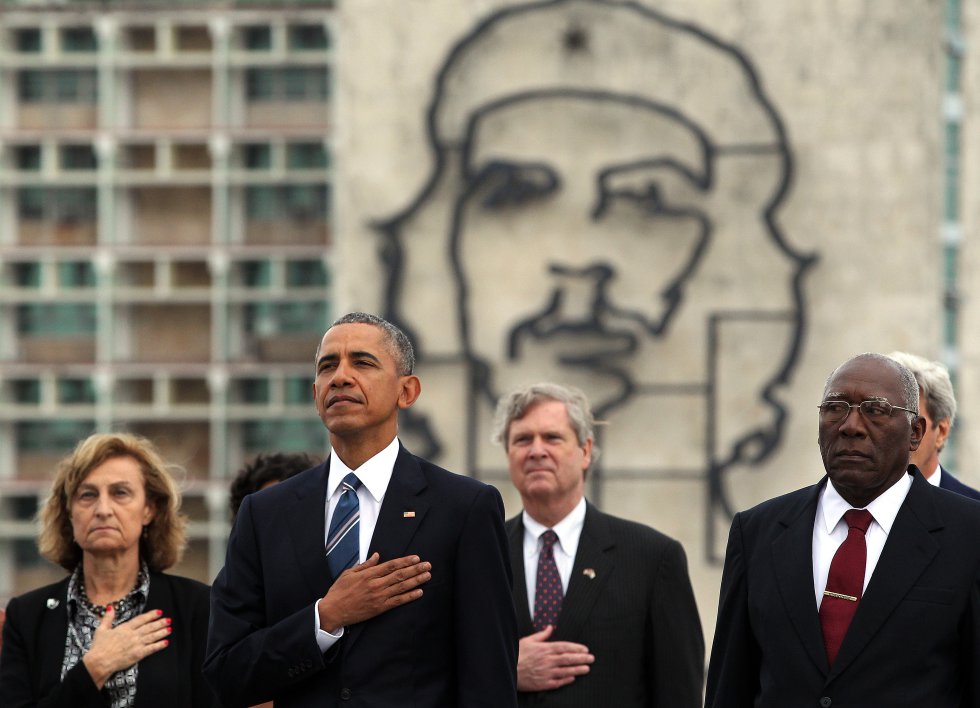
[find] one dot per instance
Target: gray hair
(398, 343)
(934, 383)
(910, 389)
(515, 405)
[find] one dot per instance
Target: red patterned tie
(845, 582)
(547, 591)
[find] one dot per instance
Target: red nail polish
(169, 630)
(108, 608)
(159, 612)
(169, 620)
(166, 642)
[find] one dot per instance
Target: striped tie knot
(350, 483)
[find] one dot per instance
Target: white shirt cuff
(324, 639)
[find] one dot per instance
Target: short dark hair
(398, 343)
(265, 468)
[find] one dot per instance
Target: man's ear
(411, 390)
(918, 431)
(942, 433)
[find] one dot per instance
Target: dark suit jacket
(948, 481)
(34, 648)
(914, 641)
(637, 616)
(456, 646)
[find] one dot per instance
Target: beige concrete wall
(858, 86)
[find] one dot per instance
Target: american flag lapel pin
(408, 514)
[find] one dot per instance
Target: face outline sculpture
(611, 264)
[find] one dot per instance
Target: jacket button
(345, 694)
(825, 702)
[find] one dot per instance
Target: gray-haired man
(937, 404)
(604, 606)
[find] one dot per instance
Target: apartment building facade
(165, 244)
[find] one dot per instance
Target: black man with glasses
(863, 589)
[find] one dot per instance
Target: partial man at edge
(863, 589)
(937, 404)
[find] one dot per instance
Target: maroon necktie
(845, 582)
(547, 590)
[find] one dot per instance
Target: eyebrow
(838, 395)
(353, 355)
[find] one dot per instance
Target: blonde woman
(117, 632)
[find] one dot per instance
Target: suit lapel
(401, 514)
(307, 522)
(911, 546)
(515, 537)
(51, 639)
(792, 557)
(590, 572)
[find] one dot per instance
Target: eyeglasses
(837, 411)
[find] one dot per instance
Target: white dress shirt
(375, 474)
(568, 530)
(830, 529)
(935, 477)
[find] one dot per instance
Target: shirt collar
(884, 508)
(568, 529)
(935, 478)
(375, 473)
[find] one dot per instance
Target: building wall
(165, 256)
(857, 88)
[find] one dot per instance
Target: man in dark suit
(937, 404)
(425, 619)
(858, 592)
(604, 605)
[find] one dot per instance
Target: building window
(257, 38)
(297, 390)
(254, 391)
(290, 83)
(257, 156)
(268, 319)
(28, 157)
(301, 274)
(76, 274)
(62, 319)
(303, 156)
(57, 86)
(306, 37)
(78, 157)
(285, 435)
(304, 202)
(78, 39)
(58, 204)
(26, 391)
(57, 436)
(76, 391)
(28, 40)
(256, 274)
(27, 275)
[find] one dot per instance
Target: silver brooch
(52, 603)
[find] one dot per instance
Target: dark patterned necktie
(344, 538)
(845, 582)
(547, 590)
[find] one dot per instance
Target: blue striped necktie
(344, 539)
